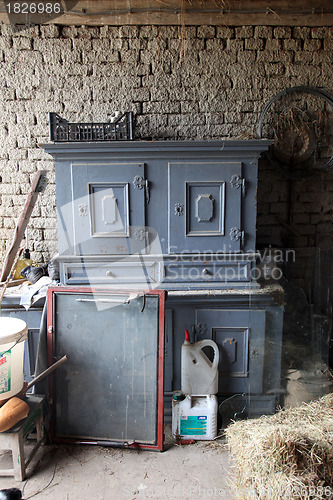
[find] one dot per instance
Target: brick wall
(184, 83)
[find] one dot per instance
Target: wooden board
(170, 12)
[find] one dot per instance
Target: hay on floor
(285, 456)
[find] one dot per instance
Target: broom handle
(47, 371)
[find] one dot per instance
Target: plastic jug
(13, 333)
(199, 375)
(194, 417)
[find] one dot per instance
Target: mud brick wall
(200, 82)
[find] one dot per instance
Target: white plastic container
(13, 333)
(199, 375)
(194, 417)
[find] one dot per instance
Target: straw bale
(288, 455)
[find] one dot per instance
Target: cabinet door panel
(205, 206)
(108, 208)
(240, 336)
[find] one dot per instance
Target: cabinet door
(109, 208)
(240, 336)
(205, 207)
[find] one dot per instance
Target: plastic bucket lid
(12, 330)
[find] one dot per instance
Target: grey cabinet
(180, 217)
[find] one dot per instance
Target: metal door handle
(114, 300)
(118, 301)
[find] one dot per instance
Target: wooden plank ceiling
(169, 12)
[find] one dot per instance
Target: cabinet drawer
(115, 272)
(217, 271)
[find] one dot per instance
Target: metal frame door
(110, 391)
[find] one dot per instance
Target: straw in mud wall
(285, 456)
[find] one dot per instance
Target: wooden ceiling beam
(169, 12)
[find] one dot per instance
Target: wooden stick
(26, 386)
(46, 372)
(13, 282)
(21, 226)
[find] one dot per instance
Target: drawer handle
(205, 271)
(109, 273)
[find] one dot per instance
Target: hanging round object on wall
(299, 120)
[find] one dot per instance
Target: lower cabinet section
(247, 328)
(245, 324)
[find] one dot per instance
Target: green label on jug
(5, 372)
(193, 425)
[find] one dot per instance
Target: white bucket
(13, 333)
(194, 417)
(199, 375)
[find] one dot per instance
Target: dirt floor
(198, 471)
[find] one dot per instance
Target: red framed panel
(58, 313)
